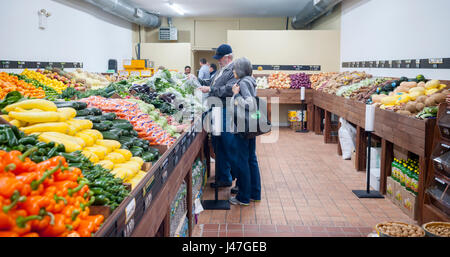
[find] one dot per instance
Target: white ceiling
(224, 8)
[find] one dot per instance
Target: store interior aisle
(306, 191)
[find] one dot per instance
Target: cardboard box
(409, 203)
(375, 178)
(390, 188)
(398, 194)
(296, 125)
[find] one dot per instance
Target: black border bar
(288, 67)
(6, 64)
(432, 63)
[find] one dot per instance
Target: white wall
(76, 32)
(402, 29)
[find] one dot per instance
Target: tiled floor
(306, 191)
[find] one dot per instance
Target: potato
(438, 98)
(421, 99)
(429, 102)
(420, 106)
(411, 107)
(404, 112)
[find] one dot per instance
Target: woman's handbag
(252, 123)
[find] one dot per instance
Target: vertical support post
(360, 149)
(207, 152)
(166, 224)
(317, 120)
(387, 156)
(423, 163)
(310, 117)
(327, 128)
(339, 149)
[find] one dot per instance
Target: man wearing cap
(221, 87)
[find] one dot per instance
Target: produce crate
(296, 125)
(409, 206)
(177, 154)
(390, 188)
(183, 144)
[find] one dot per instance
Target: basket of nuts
(437, 229)
(398, 229)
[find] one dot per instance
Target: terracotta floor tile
(231, 227)
(235, 234)
(300, 189)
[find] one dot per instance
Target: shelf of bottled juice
(406, 172)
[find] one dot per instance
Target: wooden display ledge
(412, 134)
(290, 96)
(158, 215)
(155, 220)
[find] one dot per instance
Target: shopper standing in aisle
(204, 70)
(221, 87)
(248, 177)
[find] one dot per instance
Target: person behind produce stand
(245, 160)
(220, 88)
(187, 70)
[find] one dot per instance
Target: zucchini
(109, 135)
(108, 122)
(118, 132)
(65, 104)
(125, 132)
(134, 133)
(124, 126)
(81, 105)
(120, 121)
(95, 119)
(83, 112)
(100, 126)
(109, 116)
(94, 111)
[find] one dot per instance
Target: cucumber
(109, 135)
(100, 126)
(65, 104)
(108, 123)
(109, 116)
(120, 121)
(123, 126)
(94, 111)
(83, 112)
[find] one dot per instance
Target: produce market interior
(110, 123)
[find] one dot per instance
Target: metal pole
(369, 141)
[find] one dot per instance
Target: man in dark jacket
(221, 87)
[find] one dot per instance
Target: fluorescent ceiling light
(176, 8)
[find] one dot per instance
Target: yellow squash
(41, 104)
(87, 138)
(97, 134)
(107, 164)
(66, 113)
(46, 127)
(138, 160)
(69, 145)
(112, 144)
(126, 153)
(77, 140)
(35, 117)
(92, 156)
(116, 158)
(5, 117)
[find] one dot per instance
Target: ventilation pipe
(128, 12)
(312, 11)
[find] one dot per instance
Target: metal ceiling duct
(312, 11)
(128, 12)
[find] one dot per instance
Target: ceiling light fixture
(176, 8)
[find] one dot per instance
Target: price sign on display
(276, 67)
(129, 227)
(123, 73)
(21, 65)
(146, 192)
(126, 62)
(129, 210)
(145, 73)
(5, 64)
(408, 64)
(417, 63)
(435, 62)
(135, 73)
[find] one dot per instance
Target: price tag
(276, 67)
(5, 64)
(38, 65)
(435, 61)
(123, 73)
(146, 73)
(50, 64)
(417, 63)
(408, 64)
(135, 73)
(129, 227)
(146, 192)
(20, 65)
(129, 210)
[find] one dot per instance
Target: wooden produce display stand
(290, 96)
(435, 208)
(146, 211)
(412, 134)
